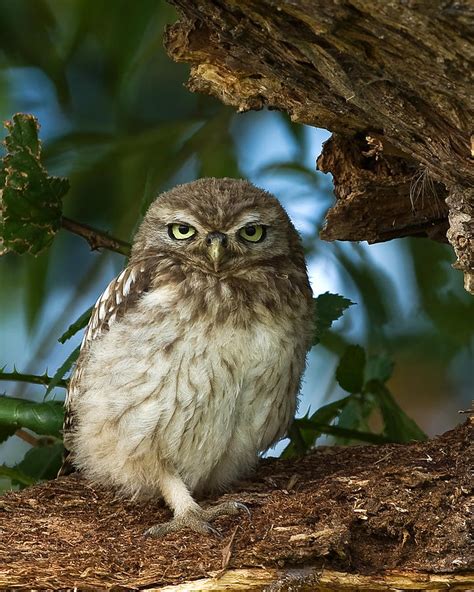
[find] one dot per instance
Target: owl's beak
(216, 244)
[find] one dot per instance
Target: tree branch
(97, 239)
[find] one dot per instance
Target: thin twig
(97, 239)
(32, 378)
(26, 437)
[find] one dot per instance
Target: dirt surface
(362, 509)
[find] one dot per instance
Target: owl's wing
(121, 295)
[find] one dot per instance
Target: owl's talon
(198, 521)
(192, 520)
(243, 507)
(225, 509)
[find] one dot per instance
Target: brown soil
(358, 509)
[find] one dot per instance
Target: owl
(192, 360)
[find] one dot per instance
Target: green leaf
(16, 475)
(42, 462)
(6, 431)
(43, 418)
(350, 372)
(379, 368)
(355, 415)
(329, 412)
(306, 430)
(327, 309)
(398, 426)
(75, 327)
(30, 199)
(58, 376)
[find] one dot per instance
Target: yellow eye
(181, 231)
(253, 233)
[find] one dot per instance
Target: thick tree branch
(97, 239)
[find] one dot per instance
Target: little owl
(192, 360)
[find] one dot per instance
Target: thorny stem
(97, 239)
(32, 378)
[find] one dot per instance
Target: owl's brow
(248, 218)
(182, 218)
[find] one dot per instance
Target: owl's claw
(197, 520)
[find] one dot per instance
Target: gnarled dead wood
(399, 71)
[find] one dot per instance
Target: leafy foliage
(31, 200)
(364, 378)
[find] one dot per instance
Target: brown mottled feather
(121, 295)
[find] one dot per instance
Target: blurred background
(118, 122)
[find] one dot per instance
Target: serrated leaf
(63, 370)
(30, 199)
(42, 462)
(378, 367)
(75, 327)
(327, 309)
(350, 371)
(43, 418)
(398, 426)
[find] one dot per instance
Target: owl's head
(217, 225)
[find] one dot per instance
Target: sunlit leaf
(30, 199)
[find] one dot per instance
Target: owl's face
(217, 225)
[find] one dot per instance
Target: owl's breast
(177, 385)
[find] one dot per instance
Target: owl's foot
(197, 520)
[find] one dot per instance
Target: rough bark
(355, 518)
(397, 73)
